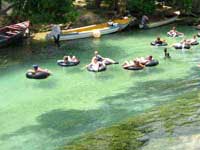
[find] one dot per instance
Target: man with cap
(36, 69)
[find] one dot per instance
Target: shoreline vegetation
(166, 121)
(85, 13)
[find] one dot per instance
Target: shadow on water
(42, 50)
(65, 123)
(45, 84)
(68, 123)
(71, 70)
(147, 71)
(156, 91)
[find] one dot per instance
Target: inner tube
(156, 44)
(37, 75)
(133, 68)
(180, 47)
(152, 63)
(101, 68)
(195, 43)
(177, 35)
(68, 64)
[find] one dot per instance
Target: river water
(47, 114)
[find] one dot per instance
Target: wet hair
(65, 58)
(35, 67)
(165, 50)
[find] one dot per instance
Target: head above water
(136, 62)
(35, 66)
(65, 58)
(158, 38)
(150, 57)
(95, 61)
(174, 28)
(165, 50)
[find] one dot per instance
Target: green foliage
(185, 5)
(143, 6)
(44, 11)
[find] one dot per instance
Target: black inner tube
(180, 47)
(195, 43)
(37, 75)
(177, 35)
(152, 63)
(68, 64)
(101, 68)
(133, 68)
(157, 44)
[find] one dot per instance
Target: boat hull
(13, 34)
(88, 34)
(13, 40)
(96, 30)
(161, 23)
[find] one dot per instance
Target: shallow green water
(47, 114)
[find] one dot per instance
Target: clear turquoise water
(46, 114)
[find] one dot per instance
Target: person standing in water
(166, 54)
(144, 21)
(56, 31)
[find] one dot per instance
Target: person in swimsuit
(36, 69)
(102, 59)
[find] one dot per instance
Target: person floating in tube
(36, 69)
(98, 57)
(173, 32)
(159, 41)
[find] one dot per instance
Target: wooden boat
(13, 33)
(163, 22)
(93, 30)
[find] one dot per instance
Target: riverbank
(175, 125)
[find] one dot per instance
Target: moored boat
(94, 30)
(161, 23)
(13, 33)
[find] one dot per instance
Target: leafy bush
(143, 6)
(44, 11)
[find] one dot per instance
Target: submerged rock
(143, 139)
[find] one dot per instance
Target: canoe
(163, 22)
(13, 33)
(96, 30)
